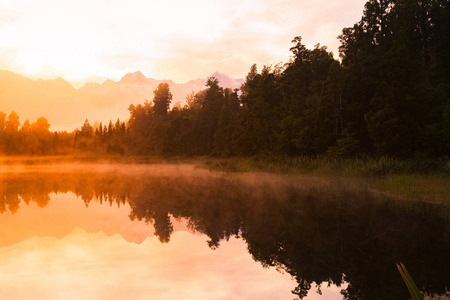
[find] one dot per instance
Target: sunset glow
(65, 250)
(179, 40)
(210, 149)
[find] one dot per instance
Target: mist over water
(314, 229)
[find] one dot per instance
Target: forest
(388, 95)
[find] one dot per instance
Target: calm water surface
(177, 232)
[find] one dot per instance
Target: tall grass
(357, 166)
(427, 187)
(425, 180)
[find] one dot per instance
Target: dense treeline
(103, 139)
(389, 96)
(31, 138)
(397, 77)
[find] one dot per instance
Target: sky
(94, 40)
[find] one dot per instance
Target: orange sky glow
(180, 40)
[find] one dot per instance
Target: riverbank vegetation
(365, 166)
(411, 180)
(382, 111)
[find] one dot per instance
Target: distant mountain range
(66, 108)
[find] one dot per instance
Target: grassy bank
(425, 180)
(365, 166)
(427, 188)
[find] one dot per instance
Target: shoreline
(411, 180)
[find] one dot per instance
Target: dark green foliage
(261, 117)
(345, 146)
(389, 58)
(227, 123)
(390, 96)
(207, 125)
(207, 118)
(161, 100)
(310, 100)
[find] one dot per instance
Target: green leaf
(413, 290)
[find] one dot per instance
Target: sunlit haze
(208, 149)
(173, 39)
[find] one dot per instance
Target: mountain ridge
(138, 83)
(138, 76)
(66, 107)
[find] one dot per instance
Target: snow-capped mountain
(137, 87)
(66, 107)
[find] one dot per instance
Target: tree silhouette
(162, 99)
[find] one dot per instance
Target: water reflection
(315, 229)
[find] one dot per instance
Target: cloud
(6, 17)
(174, 39)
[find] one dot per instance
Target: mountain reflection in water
(318, 230)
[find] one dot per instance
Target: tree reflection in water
(316, 230)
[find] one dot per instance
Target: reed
(413, 290)
(356, 166)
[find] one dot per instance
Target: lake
(99, 231)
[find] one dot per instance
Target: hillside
(66, 108)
